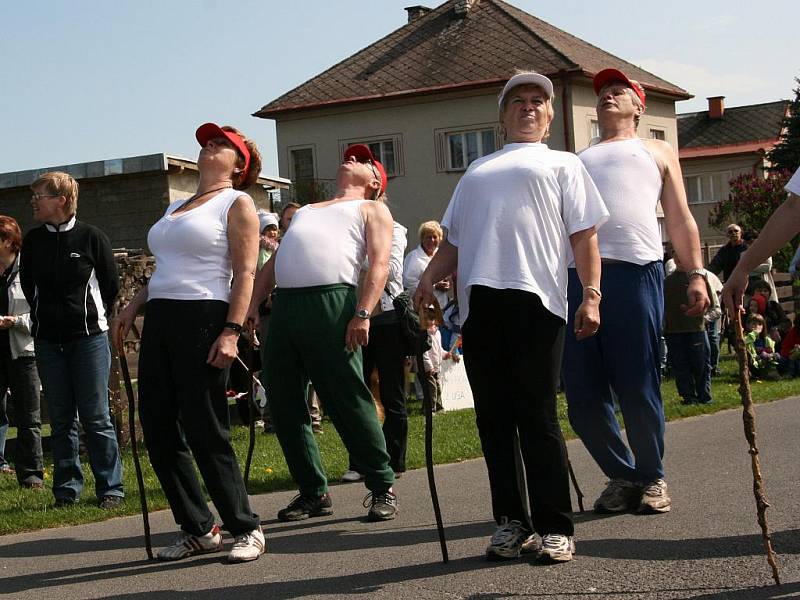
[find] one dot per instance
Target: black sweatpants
(184, 413)
(512, 354)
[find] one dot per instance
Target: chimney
(415, 12)
(716, 107)
(461, 7)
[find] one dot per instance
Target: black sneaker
(302, 507)
(382, 505)
(111, 502)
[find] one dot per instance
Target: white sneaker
(186, 545)
(655, 498)
(247, 546)
(507, 540)
(531, 545)
(556, 548)
(351, 476)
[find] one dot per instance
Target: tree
(786, 154)
(751, 202)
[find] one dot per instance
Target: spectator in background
(793, 266)
(69, 278)
(18, 374)
(790, 350)
(386, 353)
(776, 319)
(713, 321)
(430, 236)
(727, 257)
(267, 238)
(687, 340)
(287, 212)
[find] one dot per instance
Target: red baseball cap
(209, 131)
(610, 76)
(362, 152)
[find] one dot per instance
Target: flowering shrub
(751, 202)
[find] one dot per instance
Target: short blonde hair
(430, 227)
(60, 184)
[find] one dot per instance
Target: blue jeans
(712, 330)
(622, 360)
(691, 366)
(75, 380)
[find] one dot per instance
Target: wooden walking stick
(574, 480)
(427, 404)
(251, 401)
(126, 376)
(749, 418)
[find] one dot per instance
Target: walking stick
(126, 376)
(250, 408)
(574, 480)
(427, 403)
(749, 418)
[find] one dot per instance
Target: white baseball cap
(527, 79)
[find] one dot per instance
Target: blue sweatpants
(621, 362)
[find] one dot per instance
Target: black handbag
(408, 321)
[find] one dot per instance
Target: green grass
(455, 439)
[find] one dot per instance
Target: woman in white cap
(268, 236)
(206, 249)
(513, 224)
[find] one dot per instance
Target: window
(463, 147)
(594, 129)
(384, 152)
(386, 148)
(658, 134)
(302, 164)
(707, 187)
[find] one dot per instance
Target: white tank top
(323, 246)
(193, 261)
(630, 183)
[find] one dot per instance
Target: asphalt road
(709, 546)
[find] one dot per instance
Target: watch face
(363, 314)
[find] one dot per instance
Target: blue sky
(88, 80)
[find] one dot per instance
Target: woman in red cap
(206, 249)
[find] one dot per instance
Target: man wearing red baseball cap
(622, 361)
(318, 326)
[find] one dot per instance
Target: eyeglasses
(36, 196)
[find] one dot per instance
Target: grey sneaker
(655, 498)
(556, 548)
(382, 505)
(350, 476)
(619, 496)
(186, 545)
(507, 541)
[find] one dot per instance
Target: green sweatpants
(306, 341)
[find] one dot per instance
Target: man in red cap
(318, 326)
(622, 361)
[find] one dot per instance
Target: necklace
(196, 196)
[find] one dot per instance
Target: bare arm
(680, 223)
(379, 246)
(243, 246)
(781, 227)
(444, 262)
(123, 322)
(262, 288)
(587, 263)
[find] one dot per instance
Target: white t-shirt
(511, 216)
(793, 185)
(193, 260)
(324, 245)
(414, 265)
(394, 281)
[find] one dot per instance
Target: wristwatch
(362, 313)
(701, 271)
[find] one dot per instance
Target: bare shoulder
(376, 210)
(244, 203)
(661, 150)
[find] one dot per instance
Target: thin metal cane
(126, 376)
(428, 408)
(250, 408)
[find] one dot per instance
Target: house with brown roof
(424, 98)
(720, 143)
